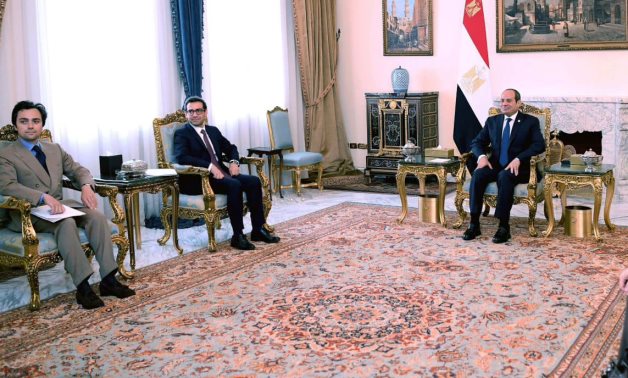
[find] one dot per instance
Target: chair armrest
(197, 171)
(536, 161)
(111, 193)
(259, 168)
(29, 236)
(462, 169)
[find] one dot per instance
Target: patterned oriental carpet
(347, 292)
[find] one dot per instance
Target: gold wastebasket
(428, 208)
(578, 221)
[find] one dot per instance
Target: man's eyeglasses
(195, 111)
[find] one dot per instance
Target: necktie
(41, 157)
(503, 154)
(212, 154)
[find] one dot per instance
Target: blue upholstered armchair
(295, 162)
(530, 193)
(33, 251)
(209, 206)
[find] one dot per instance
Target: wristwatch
(234, 161)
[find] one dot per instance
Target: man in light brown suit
(33, 170)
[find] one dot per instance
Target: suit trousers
(67, 237)
(234, 187)
(506, 182)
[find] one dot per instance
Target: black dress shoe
(239, 241)
(471, 233)
(265, 236)
(89, 300)
(115, 289)
(502, 235)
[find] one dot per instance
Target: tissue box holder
(109, 165)
(439, 152)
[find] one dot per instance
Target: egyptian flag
(473, 96)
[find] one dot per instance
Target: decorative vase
(400, 80)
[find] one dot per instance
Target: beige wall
(362, 66)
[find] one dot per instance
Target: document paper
(43, 212)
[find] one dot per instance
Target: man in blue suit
(202, 145)
(503, 149)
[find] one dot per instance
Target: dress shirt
(200, 134)
(512, 123)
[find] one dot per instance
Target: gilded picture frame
(407, 27)
(561, 25)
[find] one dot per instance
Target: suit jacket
(189, 149)
(23, 177)
(526, 140)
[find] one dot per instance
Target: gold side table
(575, 176)
(130, 190)
(421, 166)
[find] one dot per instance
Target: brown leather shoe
(239, 241)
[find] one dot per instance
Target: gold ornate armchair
(296, 162)
(34, 252)
(530, 193)
(209, 206)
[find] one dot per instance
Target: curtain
(187, 25)
(19, 57)
(2, 6)
(102, 85)
(315, 28)
(246, 67)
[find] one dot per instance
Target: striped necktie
(212, 154)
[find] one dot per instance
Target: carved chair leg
(268, 227)
(320, 177)
(487, 210)
(33, 281)
(462, 215)
(123, 248)
(166, 212)
(297, 181)
(211, 233)
(531, 228)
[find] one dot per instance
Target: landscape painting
(555, 25)
(407, 27)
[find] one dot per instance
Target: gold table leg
(401, 186)
(128, 210)
(610, 191)
(597, 203)
(175, 216)
(547, 191)
(136, 220)
(442, 187)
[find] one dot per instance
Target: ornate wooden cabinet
(392, 121)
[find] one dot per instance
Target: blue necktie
(41, 157)
(503, 154)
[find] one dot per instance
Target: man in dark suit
(33, 170)
(201, 145)
(503, 149)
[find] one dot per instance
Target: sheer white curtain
(107, 72)
(19, 57)
(247, 69)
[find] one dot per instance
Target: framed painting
(559, 25)
(407, 26)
